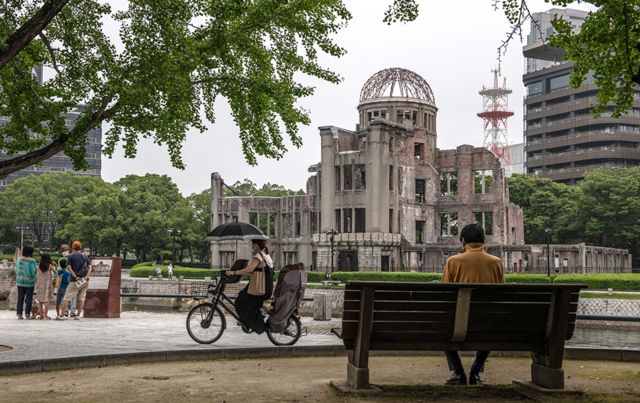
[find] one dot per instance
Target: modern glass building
(60, 163)
(562, 141)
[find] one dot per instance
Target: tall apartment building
(562, 141)
(60, 163)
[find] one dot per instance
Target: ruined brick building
(392, 199)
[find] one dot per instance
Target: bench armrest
(334, 330)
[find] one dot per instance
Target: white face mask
(65, 253)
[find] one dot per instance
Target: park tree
(93, 216)
(546, 204)
(200, 204)
(171, 60)
(248, 188)
(148, 201)
(608, 208)
(33, 202)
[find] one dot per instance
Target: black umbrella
(238, 231)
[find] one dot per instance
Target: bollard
(610, 291)
(321, 307)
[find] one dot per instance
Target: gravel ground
(306, 380)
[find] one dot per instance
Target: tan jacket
(474, 265)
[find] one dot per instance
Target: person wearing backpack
(259, 289)
(80, 270)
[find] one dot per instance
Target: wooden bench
(439, 317)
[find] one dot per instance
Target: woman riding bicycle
(259, 289)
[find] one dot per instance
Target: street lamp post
(21, 228)
(548, 232)
(332, 233)
(173, 234)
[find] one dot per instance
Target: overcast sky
(452, 45)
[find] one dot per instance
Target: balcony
(631, 153)
(574, 173)
(579, 121)
(582, 138)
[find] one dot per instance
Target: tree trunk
(25, 34)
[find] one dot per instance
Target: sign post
(103, 295)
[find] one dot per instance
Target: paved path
(133, 332)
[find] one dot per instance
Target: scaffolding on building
(495, 112)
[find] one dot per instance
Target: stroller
(287, 296)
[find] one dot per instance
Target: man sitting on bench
(473, 265)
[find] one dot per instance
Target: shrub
(201, 266)
(602, 281)
(316, 276)
(187, 272)
(386, 276)
(527, 278)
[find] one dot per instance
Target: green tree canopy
(608, 210)
(602, 209)
(545, 204)
(171, 61)
(249, 188)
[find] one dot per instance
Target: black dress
(248, 306)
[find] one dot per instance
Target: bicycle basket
(237, 265)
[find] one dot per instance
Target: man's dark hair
(27, 251)
(472, 233)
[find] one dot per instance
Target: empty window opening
(361, 220)
(421, 190)
(347, 182)
(448, 224)
(485, 219)
(449, 183)
(418, 151)
(419, 231)
(482, 180)
(347, 217)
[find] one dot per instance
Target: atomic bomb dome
(398, 95)
(397, 83)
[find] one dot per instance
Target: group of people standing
(70, 276)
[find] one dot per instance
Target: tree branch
(60, 144)
(47, 44)
(25, 34)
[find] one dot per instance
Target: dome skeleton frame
(388, 82)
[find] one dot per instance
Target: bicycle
(206, 322)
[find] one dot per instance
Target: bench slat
(438, 327)
(446, 345)
(399, 306)
(405, 295)
(508, 317)
(484, 296)
(409, 316)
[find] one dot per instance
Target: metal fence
(509, 270)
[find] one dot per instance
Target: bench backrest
(436, 316)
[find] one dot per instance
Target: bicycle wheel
(289, 335)
(205, 326)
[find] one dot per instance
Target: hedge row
(386, 276)
(200, 266)
(187, 272)
(593, 281)
(602, 281)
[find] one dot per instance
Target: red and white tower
(495, 112)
